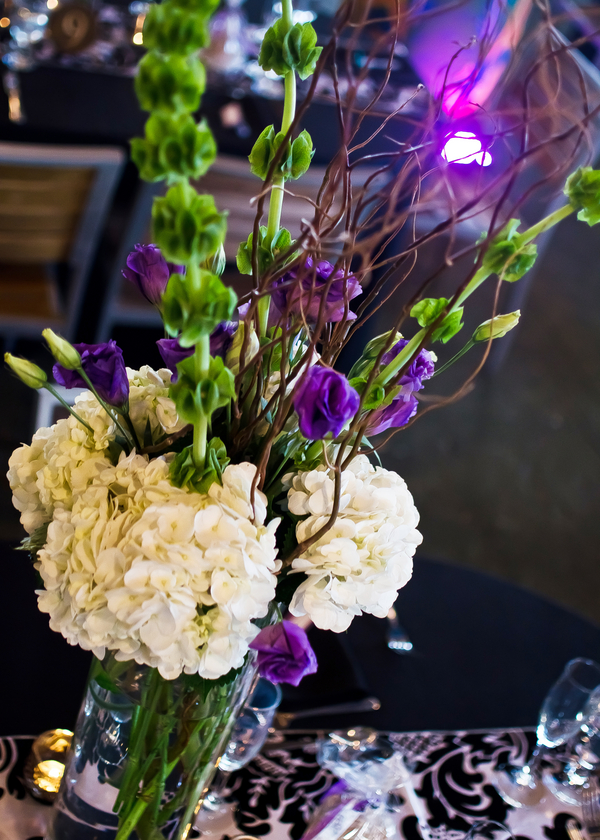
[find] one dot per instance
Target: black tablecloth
(485, 654)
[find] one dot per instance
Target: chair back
(53, 204)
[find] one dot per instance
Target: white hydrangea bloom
(61, 461)
(160, 574)
(366, 557)
(149, 400)
(66, 458)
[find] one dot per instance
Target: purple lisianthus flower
(421, 368)
(172, 352)
(397, 414)
(104, 365)
(284, 653)
(300, 291)
(405, 404)
(324, 402)
(148, 269)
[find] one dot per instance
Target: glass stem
(220, 783)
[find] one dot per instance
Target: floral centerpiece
(176, 514)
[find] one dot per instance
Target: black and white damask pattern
(278, 792)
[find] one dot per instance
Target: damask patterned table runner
(278, 792)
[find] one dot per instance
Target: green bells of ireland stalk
(187, 226)
(288, 48)
(509, 255)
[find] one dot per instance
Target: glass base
(519, 787)
(565, 788)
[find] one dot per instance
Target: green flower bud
(64, 353)
(169, 29)
(32, 375)
(171, 83)
(232, 359)
(187, 226)
(173, 145)
(497, 327)
(583, 191)
(292, 49)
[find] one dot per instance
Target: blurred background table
(484, 655)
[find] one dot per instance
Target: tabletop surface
(485, 653)
(277, 793)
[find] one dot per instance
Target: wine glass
(560, 719)
(247, 738)
(584, 756)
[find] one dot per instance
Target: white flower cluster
(366, 556)
(64, 459)
(159, 574)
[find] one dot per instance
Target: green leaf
(282, 242)
(583, 191)
(35, 541)
(183, 472)
(428, 310)
(262, 153)
(449, 327)
(302, 154)
(507, 255)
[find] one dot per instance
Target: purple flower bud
(172, 352)
(300, 292)
(104, 365)
(324, 402)
(148, 269)
(421, 368)
(397, 414)
(284, 653)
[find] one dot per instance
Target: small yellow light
(138, 38)
(4, 22)
(48, 774)
(52, 4)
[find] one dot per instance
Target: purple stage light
(465, 147)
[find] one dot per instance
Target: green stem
(202, 362)
(277, 191)
(478, 278)
(547, 223)
(470, 343)
(69, 408)
(109, 409)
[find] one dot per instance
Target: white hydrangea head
(66, 458)
(149, 401)
(366, 556)
(160, 574)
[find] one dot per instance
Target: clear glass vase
(144, 752)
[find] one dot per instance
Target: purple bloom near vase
(284, 653)
(300, 292)
(104, 365)
(150, 272)
(324, 402)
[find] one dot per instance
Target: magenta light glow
(465, 147)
